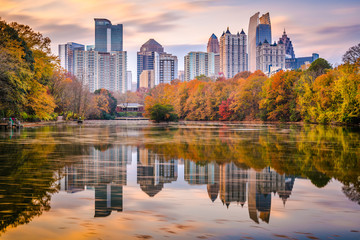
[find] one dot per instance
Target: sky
(314, 26)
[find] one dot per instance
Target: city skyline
(313, 27)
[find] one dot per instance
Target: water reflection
(246, 168)
(105, 172)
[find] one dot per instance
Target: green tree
(162, 113)
(319, 67)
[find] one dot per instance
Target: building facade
(148, 57)
(296, 63)
(259, 31)
(199, 63)
(108, 37)
(168, 68)
(270, 57)
(181, 75)
(289, 50)
(129, 80)
(233, 53)
(101, 70)
(147, 79)
(214, 47)
(252, 41)
(213, 44)
(66, 55)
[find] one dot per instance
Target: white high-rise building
(101, 69)
(233, 53)
(199, 63)
(168, 67)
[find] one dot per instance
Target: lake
(193, 180)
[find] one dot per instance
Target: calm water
(193, 181)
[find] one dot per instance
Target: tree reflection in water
(238, 164)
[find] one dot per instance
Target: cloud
(66, 32)
(341, 30)
(161, 22)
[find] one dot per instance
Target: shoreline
(182, 122)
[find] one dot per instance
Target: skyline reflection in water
(138, 181)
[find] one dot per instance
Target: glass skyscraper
(108, 37)
(263, 32)
(259, 31)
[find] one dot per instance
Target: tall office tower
(198, 63)
(289, 50)
(253, 23)
(148, 57)
(259, 31)
(66, 55)
(168, 68)
(129, 80)
(213, 46)
(108, 37)
(147, 79)
(270, 57)
(263, 30)
(233, 53)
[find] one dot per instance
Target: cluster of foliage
(26, 67)
(162, 113)
(33, 85)
(319, 94)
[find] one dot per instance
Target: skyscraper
(233, 53)
(252, 41)
(199, 63)
(259, 31)
(103, 66)
(213, 47)
(168, 68)
(66, 55)
(147, 57)
(213, 44)
(108, 37)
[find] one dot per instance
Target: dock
(7, 125)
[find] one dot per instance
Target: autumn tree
(279, 101)
(25, 58)
(247, 96)
(106, 103)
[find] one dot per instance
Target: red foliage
(224, 109)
